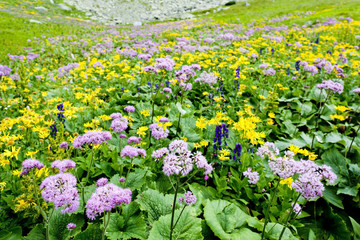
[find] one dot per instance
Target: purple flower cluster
(164, 119)
(312, 69)
(61, 190)
(158, 132)
(157, 154)
(333, 86)
(164, 63)
(91, 137)
(132, 152)
(189, 198)
(356, 90)
(179, 160)
(64, 71)
(71, 226)
(119, 124)
(269, 72)
(221, 131)
(29, 164)
(64, 145)
(209, 78)
(187, 72)
(308, 175)
(63, 165)
(4, 70)
(134, 139)
(129, 109)
(105, 198)
(253, 176)
(115, 115)
(101, 182)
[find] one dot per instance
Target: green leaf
(188, 226)
(178, 106)
(331, 197)
(14, 233)
(130, 224)
(37, 233)
(155, 203)
(336, 161)
(136, 179)
(306, 108)
(92, 232)
(58, 223)
(351, 191)
(356, 226)
(227, 221)
(274, 230)
(311, 235)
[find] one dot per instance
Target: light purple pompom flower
(122, 136)
(101, 182)
(63, 165)
(129, 109)
(330, 85)
(132, 152)
(115, 115)
(269, 72)
(64, 145)
(71, 226)
(159, 153)
(119, 124)
(134, 139)
(164, 119)
(356, 90)
(122, 179)
(158, 132)
(29, 164)
(61, 190)
(189, 198)
(105, 198)
(253, 176)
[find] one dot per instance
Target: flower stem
(268, 209)
(319, 114)
(352, 141)
(182, 210)
(106, 223)
(173, 210)
(288, 217)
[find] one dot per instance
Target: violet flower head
(122, 136)
(115, 115)
(164, 119)
(71, 226)
(61, 190)
(101, 182)
(356, 90)
(207, 77)
(31, 163)
(105, 198)
(119, 124)
(164, 63)
(91, 137)
(132, 152)
(189, 198)
(330, 85)
(134, 139)
(64, 145)
(159, 153)
(252, 175)
(129, 109)
(63, 165)
(4, 70)
(158, 132)
(269, 72)
(122, 179)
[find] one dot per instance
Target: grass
(259, 9)
(16, 27)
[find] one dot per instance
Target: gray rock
(35, 21)
(137, 24)
(41, 8)
(64, 7)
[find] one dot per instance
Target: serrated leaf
(331, 197)
(92, 232)
(356, 226)
(136, 179)
(130, 224)
(58, 223)
(188, 226)
(274, 230)
(37, 233)
(351, 191)
(227, 221)
(155, 203)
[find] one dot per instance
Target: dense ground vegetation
(199, 129)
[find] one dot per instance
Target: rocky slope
(138, 11)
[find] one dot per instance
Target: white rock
(64, 7)
(34, 21)
(41, 8)
(137, 24)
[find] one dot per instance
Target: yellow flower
(105, 117)
(336, 116)
(204, 143)
(205, 93)
(184, 139)
(2, 186)
(145, 113)
(197, 145)
(287, 181)
(201, 123)
(294, 149)
(271, 115)
(270, 121)
(341, 108)
(262, 97)
(312, 156)
(31, 154)
(223, 157)
(141, 131)
(13, 153)
(16, 172)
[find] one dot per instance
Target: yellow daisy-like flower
(271, 115)
(145, 113)
(201, 123)
(341, 108)
(287, 181)
(105, 117)
(184, 138)
(339, 117)
(2, 186)
(141, 131)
